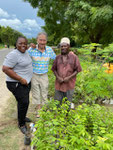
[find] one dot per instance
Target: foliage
(32, 40)
(1, 46)
(91, 21)
(82, 21)
(51, 77)
(56, 24)
(93, 84)
(107, 53)
(9, 35)
(93, 50)
(97, 52)
(87, 127)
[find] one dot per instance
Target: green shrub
(1, 46)
(93, 85)
(86, 128)
(51, 77)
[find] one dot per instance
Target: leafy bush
(107, 53)
(94, 50)
(51, 77)
(1, 46)
(93, 84)
(97, 52)
(86, 128)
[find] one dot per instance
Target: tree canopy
(91, 21)
(9, 35)
(84, 21)
(56, 24)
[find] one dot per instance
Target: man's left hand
(66, 79)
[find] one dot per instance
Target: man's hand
(60, 79)
(23, 81)
(66, 79)
(71, 52)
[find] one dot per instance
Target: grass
(8, 137)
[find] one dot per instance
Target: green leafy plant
(87, 127)
(51, 77)
(107, 53)
(93, 85)
(93, 50)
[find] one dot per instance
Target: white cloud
(14, 23)
(30, 24)
(3, 13)
(28, 27)
(27, 34)
(17, 24)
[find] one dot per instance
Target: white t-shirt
(21, 64)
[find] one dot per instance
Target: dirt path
(4, 93)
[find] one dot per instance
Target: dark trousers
(21, 93)
(59, 95)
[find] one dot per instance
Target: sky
(20, 16)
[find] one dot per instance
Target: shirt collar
(40, 51)
(67, 56)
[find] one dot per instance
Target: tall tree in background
(91, 20)
(9, 35)
(84, 21)
(0, 34)
(56, 24)
(32, 40)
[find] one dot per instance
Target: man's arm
(9, 71)
(66, 79)
(54, 69)
(58, 77)
(53, 55)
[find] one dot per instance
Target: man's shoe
(28, 120)
(23, 129)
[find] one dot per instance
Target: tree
(9, 35)
(56, 24)
(91, 21)
(16, 34)
(83, 21)
(0, 34)
(32, 40)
